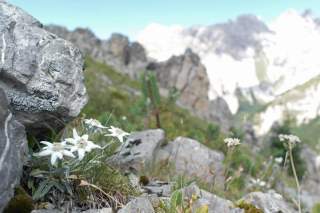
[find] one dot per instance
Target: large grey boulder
(137, 154)
(188, 157)
(41, 74)
(138, 205)
(270, 202)
(13, 146)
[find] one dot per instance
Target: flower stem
(226, 172)
(295, 177)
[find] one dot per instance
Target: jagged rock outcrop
(187, 74)
(40, 73)
(13, 145)
(125, 56)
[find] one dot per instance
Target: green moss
(20, 203)
(248, 207)
(316, 208)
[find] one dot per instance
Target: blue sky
(131, 16)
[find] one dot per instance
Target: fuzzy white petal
(46, 143)
(85, 137)
(81, 153)
(68, 153)
(53, 159)
(44, 153)
(70, 140)
(75, 134)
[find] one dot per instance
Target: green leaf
(59, 186)
(37, 173)
(176, 199)
(43, 188)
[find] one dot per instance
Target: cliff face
(185, 72)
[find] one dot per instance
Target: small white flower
(278, 160)
(258, 182)
(124, 118)
(232, 142)
(93, 123)
(56, 150)
(292, 139)
(317, 162)
(81, 144)
(118, 133)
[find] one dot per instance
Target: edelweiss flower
(317, 162)
(81, 144)
(118, 133)
(56, 150)
(232, 142)
(258, 182)
(94, 123)
(278, 160)
(291, 139)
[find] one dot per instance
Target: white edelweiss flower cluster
(258, 182)
(78, 144)
(81, 144)
(278, 160)
(114, 131)
(118, 133)
(231, 142)
(57, 150)
(93, 123)
(291, 139)
(317, 162)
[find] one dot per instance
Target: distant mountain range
(274, 67)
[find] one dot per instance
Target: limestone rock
(40, 73)
(13, 146)
(189, 157)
